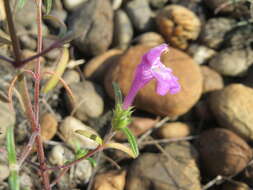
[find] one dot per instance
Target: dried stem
(13, 34)
(89, 154)
(37, 71)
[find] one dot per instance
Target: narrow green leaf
(132, 140)
(121, 147)
(90, 135)
(13, 178)
(117, 93)
(51, 84)
(48, 6)
(21, 3)
(92, 161)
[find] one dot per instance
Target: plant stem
(37, 71)
(89, 154)
(13, 35)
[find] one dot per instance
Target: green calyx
(121, 118)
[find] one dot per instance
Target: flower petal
(166, 81)
(153, 54)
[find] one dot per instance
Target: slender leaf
(50, 85)
(14, 177)
(90, 135)
(48, 6)
(121, 147)
(21, 3)
(117, 93)
(132, 140)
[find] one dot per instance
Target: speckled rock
(178, 25)
(215, 30)
(71, 76)
(201, 54)
(140, 14)
(174, 130)
(49, 126)
(188, 72)
(71, 129)
(123, 30)
(222, 152)
(157, 3)
(149, 38)
(232, 62)
(73, 4)
(87, 102)
(94, 35)
(237, 9)
(158, 172)
(111, 180)
(235, 185)
(233, 108)
(96, 68)
(211, 79)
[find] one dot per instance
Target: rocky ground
(198, 139)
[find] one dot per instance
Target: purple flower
(150, 68)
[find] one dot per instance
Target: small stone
(138, 126)
(178, 25)
(97, 67)
(4, 175)
(174, 130)
(48, 125)
(222, 152)
(123, 30)
(87, 102)
(215, 30)
(232, 62)
(29, 53)
(111, 180)
(160, 172)
(150, 38)
(7, 119)
(184, 68)
(212, 80)
(116, 4)
(70, 130)
(233, 108)
(235, 185)
(72, 5)
(26, 181)
(203, 111)
(2, 11)
(93, 23)
(53, 54)
(82, 172)
(201, 54)
(140, 14)
(157, 3)
(60, 155)
(71, 76)
(237, 9)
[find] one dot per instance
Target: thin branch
(7, 59)
(56, 44)
(13, 34)
(91, 153)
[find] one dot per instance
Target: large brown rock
(222, 152)
(233, 108)
(175, 169)
(187, 71)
